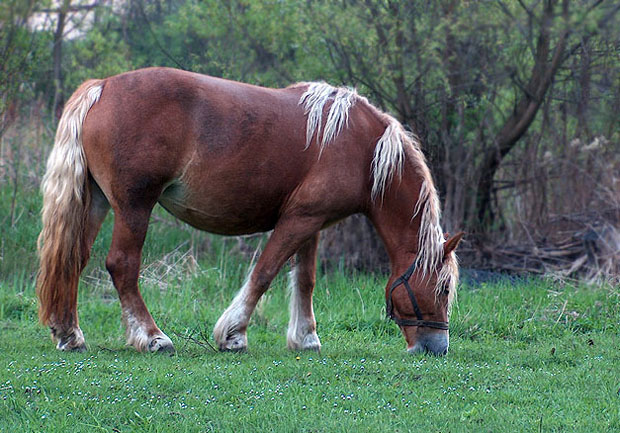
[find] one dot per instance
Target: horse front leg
(288, 236)
(123, 264)
(301, 334)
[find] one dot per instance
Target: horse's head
(419, 301)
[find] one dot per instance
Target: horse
(233, 159)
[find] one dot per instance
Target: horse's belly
(214, 213)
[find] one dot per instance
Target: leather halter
(404, 280)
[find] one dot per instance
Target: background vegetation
(515, 102)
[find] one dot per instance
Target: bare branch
(72, 8)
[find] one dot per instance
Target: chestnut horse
(233, 159)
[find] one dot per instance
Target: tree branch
(517, 124)
(73, 8)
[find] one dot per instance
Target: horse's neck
(393, 217)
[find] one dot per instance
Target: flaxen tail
(66, 201)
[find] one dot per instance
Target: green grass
(525, 356)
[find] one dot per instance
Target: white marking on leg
(301, 334)
(138, 337)
(135, 333)
(293, 336)
(230, 330)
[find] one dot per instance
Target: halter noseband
(404, 280)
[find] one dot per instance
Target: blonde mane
(314, 100)
(391, 150)
(393, 147)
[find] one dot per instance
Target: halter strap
(404, 280)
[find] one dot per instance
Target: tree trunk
(584, 91)
(59, 99)
(524, 113)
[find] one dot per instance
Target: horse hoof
(314, 346)
(234, 343)
(68, 348)
(310, 343)
(161, 344)
(73, 341)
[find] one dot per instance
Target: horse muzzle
(435, 344)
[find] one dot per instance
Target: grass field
(526, 355)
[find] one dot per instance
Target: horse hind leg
(301, 334)
(123, 264)
(67, 334)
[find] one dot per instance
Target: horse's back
(220, 155)
(185, 111)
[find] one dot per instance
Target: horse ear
(451, 244)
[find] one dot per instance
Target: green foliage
(255, 42)
(23, 54)
(454, 72)
(99, 54)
